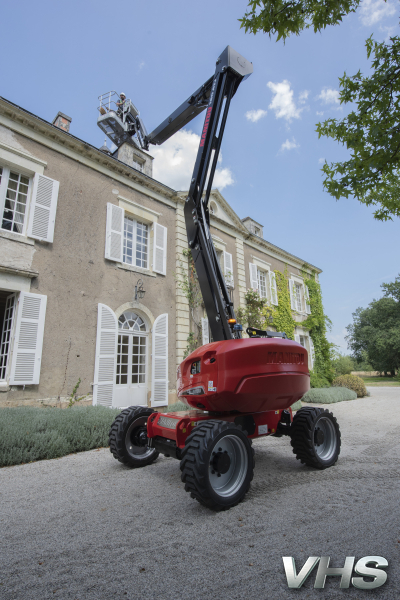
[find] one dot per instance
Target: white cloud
(373, 11)
(329, 96)
(321, 161)
(282, 102)
(303, 96)
(320, 113)
(255, 115)
(289, 145)
(174, 162)
(141, 65)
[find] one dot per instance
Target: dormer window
(254, 227)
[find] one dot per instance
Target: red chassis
(244, 388)
(248, 382)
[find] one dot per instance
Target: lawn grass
(28, 434)
(381, 381)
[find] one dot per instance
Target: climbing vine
(260, 314)
(282, 318)
(188, 283)
(318, 323)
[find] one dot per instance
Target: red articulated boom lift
(239, 389)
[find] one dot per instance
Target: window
(128, 238)
(137, 165)
(299, 296)
(135, 243)
(262, 283)
(298, 292)
(15, 188)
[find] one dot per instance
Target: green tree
(371, 131)
(343, 365)
(375, 331)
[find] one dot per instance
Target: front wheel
(128, 437)
(315, 437)
(217, 464)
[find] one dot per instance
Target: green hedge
(328, 395)
(28, 434)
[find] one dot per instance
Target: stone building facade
(90, 249)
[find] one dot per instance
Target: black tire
(315, 437)
(127, 437)
(217, 464)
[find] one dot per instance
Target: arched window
(130, 321)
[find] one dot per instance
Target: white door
(6, 334)
(132, 361)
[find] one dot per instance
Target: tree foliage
(371, 133)
(375, 331)
(277, 17)
(371, 130)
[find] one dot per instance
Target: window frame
(149, 217)
(8, 169)
(135, 221)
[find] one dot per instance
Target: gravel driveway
(84, 527)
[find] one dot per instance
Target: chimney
(62, 121)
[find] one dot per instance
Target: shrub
(343, 365)
(351, 382)
(328, 396)
(297, 405)
(318, 381)
(29, 433)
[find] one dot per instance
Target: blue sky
(62, 56)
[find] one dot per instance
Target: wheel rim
(325, 438)
(135, 443)
(234, 468)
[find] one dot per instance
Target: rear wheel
(128, 437)
(217, 464)
(315, 437)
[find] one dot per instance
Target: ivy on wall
(188, 283)
(258, 313)
(282, 318)
(318, 323)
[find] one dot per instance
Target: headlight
(196, 391)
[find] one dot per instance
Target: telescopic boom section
(215, 96)
(231, 69)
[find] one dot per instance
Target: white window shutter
(297, 338)
(312, 352)
(292, 290)
(307, 300)
(43, 208)
(253, 276)
(228, 269)
(28, 340)
(204, 331)
(159, 367)
(274, 291)
(114, 232)
(106, 356)
(160, 249)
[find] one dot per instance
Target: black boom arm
(215, 96)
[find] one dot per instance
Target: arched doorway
(132, 360)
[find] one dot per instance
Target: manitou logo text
(292, 358)
(369, 566)
(206, 122)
